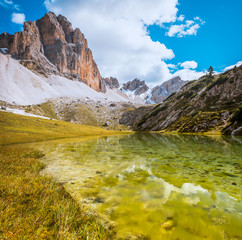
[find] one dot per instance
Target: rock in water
(51, 46)
(168, 225)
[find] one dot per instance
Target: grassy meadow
(34, 206)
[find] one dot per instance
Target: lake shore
(33, 205)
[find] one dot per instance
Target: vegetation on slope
(210, 104)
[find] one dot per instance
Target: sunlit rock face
(51, 46)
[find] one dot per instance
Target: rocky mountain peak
(111, 82)
(135, 85)
(161, 92)
(51, 46)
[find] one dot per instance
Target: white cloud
(189, 64)
(172, 66)
(181, 18)
(18, 18)
(117, 34)
(232, 66)
(9, 4)
(189, 28)
(189, 74)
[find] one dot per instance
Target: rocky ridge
(137, 86)
(160, 93)
(206, 104)
(51, 46)
(157, 94)
(111, 82)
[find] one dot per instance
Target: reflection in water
(161, 187)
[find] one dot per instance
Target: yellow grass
(20, 129)
(34, 206)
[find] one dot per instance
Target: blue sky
(218, 41)
(120, 42)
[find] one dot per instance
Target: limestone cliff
(51, 46)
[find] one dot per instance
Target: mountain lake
(153, 186)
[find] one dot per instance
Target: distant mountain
(51, 46)
(136, 90)
(139, 90)
(206, 104)
(136, 86)
(159, 93)
(111, 82)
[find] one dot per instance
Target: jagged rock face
(51, 46)
(111, 82)
(160, 93)
(137, 86)
(199, 106)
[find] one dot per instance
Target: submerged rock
(168, 225)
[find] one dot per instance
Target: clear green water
(153, 186)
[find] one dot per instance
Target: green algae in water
(155, 186)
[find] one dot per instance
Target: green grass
(44, 109)
(19, 129)
(34, 206)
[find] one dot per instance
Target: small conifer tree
(210, 71)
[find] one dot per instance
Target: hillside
(205, 105)
(21, 86)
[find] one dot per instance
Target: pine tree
(210, 71)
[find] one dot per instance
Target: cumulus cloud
(189, 74)
(189, 28)
(172, 66)
(117, 34)
(9, 4)
(232, 66)
(18, 18)
(189, 64)
(181, 18)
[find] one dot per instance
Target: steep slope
(159, 93)
(51, 46)
(208, 104)
(21, 86)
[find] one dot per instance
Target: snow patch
(138, 99)
(22, 112)
(21, 86)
